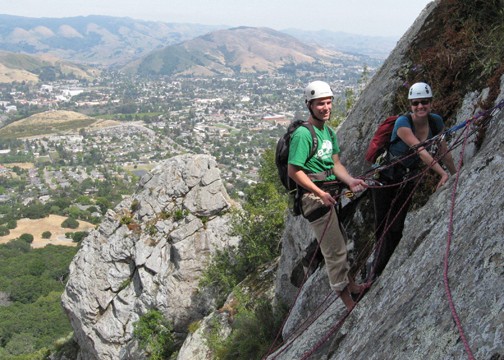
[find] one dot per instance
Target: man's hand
(327, 198)
(357, 185)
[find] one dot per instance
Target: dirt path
(51, 223)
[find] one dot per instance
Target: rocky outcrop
(149, 253)
(406, 314)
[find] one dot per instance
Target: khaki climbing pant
(330, 237)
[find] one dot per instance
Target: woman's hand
(444, 179)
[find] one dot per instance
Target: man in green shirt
(318, 204)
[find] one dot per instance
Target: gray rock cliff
(149, 253)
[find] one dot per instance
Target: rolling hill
(232, 51)
(51, 122)
(117, 41)
(22, 67)
(99, 40)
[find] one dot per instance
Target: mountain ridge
(116, 41)
(93, 39)
(236, 50)
(377, 47)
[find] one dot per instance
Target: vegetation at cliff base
(154, 335)
(252, 316)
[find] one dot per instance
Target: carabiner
(349, 194)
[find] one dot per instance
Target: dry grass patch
(47, 123)
(9, 75)
(51, 223)
(103, 123)
(24, 166)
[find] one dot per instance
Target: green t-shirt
(300, 146)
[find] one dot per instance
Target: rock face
(148, 253)
(406, 314)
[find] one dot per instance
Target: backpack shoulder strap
(314, 140)
(410, 121)
(433, 126)
(332, 134)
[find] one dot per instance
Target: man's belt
(320, 176)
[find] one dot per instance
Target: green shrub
(193, 327)
(126, 219)
(78, 236)
(179, 214)
(4, 230)
(151, 229)
(18, 246)
(46, 235)
(204, 220)
(11, 224)
(135, 205)
(20, 344)
(154, 335)
(263, 322)
(253, 316)
(70, 223)
(28, 238)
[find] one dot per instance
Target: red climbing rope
(447, 254)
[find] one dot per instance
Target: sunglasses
(417, 102)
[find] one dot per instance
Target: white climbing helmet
(317, 90)
(419, 90)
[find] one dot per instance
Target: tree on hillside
(28, 238)
(11, 224)
(36, 210)
(4, 230)
(70, 223)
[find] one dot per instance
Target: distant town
(142, 122)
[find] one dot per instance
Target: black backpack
(282, 152)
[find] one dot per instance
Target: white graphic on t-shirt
(326, 149)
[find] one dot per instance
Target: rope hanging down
(447, 254)
(486, 116)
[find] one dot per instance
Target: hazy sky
(367, 17)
